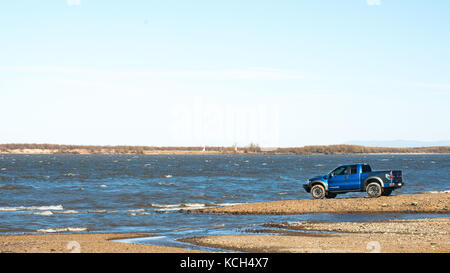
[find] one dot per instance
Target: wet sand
(405, 203)
(80, 243)
(402, 236)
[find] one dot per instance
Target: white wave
(103, 186)
(65, 229)
(228, 204)
(165, 184)
(135, 210)
(191, 206)
(67, 212)
(131, 210)
(97, 211)
(168, 176)
(447, 191)
(170, 209)
(21, 208)
(44, 213)
(141, 213)
(182, 206)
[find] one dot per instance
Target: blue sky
(275, 73)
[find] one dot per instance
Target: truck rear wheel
(374, 190)
(318, 191)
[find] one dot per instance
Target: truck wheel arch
(319, 182)
(371, 180)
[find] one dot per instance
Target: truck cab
(354, 178)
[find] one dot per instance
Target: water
(144, 193)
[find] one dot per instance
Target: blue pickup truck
(354, 178)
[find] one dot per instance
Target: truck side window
(366, 169)
(353, 169)
(340, 171)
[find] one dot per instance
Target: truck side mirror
(331, 174)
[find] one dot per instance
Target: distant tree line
(357, 149)
(252, 148)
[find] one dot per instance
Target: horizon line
(255, 145)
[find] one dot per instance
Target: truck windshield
(340, 171)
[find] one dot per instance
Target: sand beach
(412, 235)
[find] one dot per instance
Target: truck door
(353, 179)
(344, 178)
(337, 181)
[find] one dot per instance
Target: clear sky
(206, 72)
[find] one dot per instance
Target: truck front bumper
(307, 187)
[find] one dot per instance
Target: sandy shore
(406, 203)
(414, 236)
(423, 235)
(84, 243)
(418, 236)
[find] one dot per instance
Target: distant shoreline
(251, 149)
(199, 153)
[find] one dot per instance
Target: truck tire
(374, 190)
(318, 191)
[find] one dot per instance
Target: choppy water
(143, 193)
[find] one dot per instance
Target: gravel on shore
(401, 236)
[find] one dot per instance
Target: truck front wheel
(318, 191)
(374, 190)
